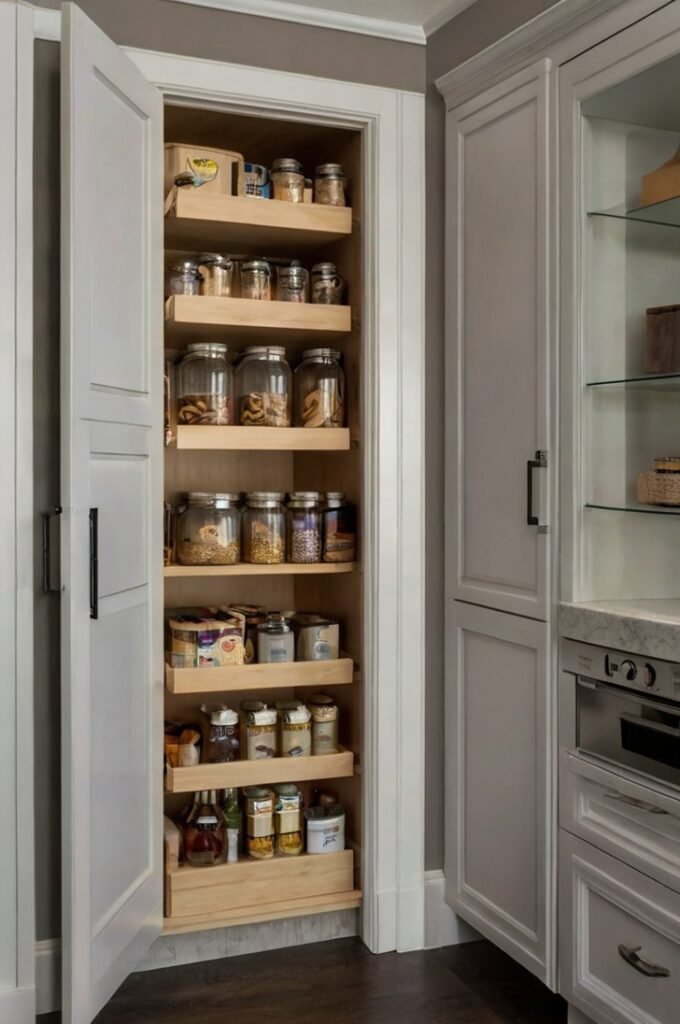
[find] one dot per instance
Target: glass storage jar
(205, 386)
(288, 180)
(204, 832)
(293, 283)
(296, 729)
(325, 716)
(182, 277)
(275, 640)
(209, 530)
(288, 819)
(264, 528)
(261, 732)
(329, 185)
(217, 274)
(263, 386)
(221, 735)
(339, 528)
(259, 802)
(304, 527)
(256, 280)
(319, 386)
(328, 288)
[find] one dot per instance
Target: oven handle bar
(633, 696)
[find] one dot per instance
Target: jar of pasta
(217, 274)
(328, 288)
(263, 385)
(288, 819)
(205, 386)
(259, 802)
(329, 185)
(256, 280)
(319, 389)
(209, 530)
(325, 717)
(304, 527)
(260, 730)
(264, 528)
(288, 180)
(296, 729)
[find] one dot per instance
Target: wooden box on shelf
(264, 771)
(662, 351)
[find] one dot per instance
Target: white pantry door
(112, 521)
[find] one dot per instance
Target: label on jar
(296, 740)
(325, 737)
(261, 742)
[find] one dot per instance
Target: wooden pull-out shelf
(246, 569)
(273, 911)
(201, 315)
(267, 771)
(260, 677)
(272, 439)
(208, 222)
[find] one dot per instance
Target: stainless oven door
(627, 729)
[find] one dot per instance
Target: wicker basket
(658, 488)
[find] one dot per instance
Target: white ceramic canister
(325, 834)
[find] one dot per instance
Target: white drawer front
(609, 912)
(638, 823)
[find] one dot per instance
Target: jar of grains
(325, 716)
(256, 280)
(259, 802)
(182, 277)
(288, 180)
(209, 530)
(328, 288)
(293, 283)
(329, 185)
(319, 386)
(261, 731)
(217, 274)
(205, 386)
(263, 386)
(304, 527)
(264, 528)
(296, 729)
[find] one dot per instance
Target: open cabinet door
(112, 559)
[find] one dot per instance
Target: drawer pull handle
(642, 805)
(630, 955)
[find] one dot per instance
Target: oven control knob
(649, 675)
(628, 670)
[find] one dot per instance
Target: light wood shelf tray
(260, 677)
(246, 569)
(272, 911)
(254, 439)
(193, 316)
(254, 773)
(205, 222)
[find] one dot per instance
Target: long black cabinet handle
(540, 461)
(631, 955)
(94, 563)
(48, 587)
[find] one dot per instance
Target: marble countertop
(641, 627)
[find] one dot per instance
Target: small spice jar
(339, 529)
(260, 730)
(221, 734)
(328, 288)
(275, 640)
(256, 280)
(319, 389)
(296, 729)
(182, 277)
(329, 185)
(209, 530)
(217, 274)
(264, 386)
(304, 527)
(288, 819)
(293, 283)
(288, 180)
(259, 822)
(325, 717)
(264, 528)
(205, 385)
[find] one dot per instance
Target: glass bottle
(256, 280)
(182, 277)
(339, 529)
(328, 288)
(216, 273)
(288, 180)
(329, 185)
(319, 389)
(304, 527)
(205, 385)
(233, 816)
(264, 528)
(209, 530)
(204, 834)
(263, 386)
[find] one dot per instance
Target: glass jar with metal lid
(209, 530)
(259, 801)
(319, 389)
(288, 180)
(182, 277)
(296, 728)
(325, 716)
(339, 528)
(329, 185)
(264, 528)
(256, 280)
(288, 819)
(261, 731)
(217, 274)
(263, 386)
(328, 288)
(205, 386)
(275, 640)
(304, 527)
(293, 283)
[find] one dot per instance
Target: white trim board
(443, 927)
(47, 24)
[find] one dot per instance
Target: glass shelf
(653, 381)
(666, 213)
(663, 510)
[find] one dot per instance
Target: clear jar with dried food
(256, 280)
(209, 530)
(275, 640)
(328, 288)
(217, 274)
(319, 389)
(288, 180)
(259, 802)
(325, 716)
(261, 732)
(264, 386)
(264, 528)
(182, 277)
(293, 283)
(221, 734)
(296, 729)
(205, 386)
(339, 528)
(304, 527)
(329, 185)
(288, 819)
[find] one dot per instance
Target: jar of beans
(329, 185)
(288, 180)
(264, 528)
(205, 386)
(263, 386)
(304, 527)
(209, 530)
(328, 288)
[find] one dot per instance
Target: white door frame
(392, 761)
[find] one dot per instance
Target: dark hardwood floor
(339, 983)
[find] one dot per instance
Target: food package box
(222, 170)
(200, 640)
(316, 638)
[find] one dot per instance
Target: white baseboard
(48, 976)
(442, 926)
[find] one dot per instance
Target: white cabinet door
(499, 850)
(497, 346)
(111, 469)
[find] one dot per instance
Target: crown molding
(446, 14)
(357, 23)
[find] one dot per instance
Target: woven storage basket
(658, 488)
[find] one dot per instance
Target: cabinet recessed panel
(120, 492)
